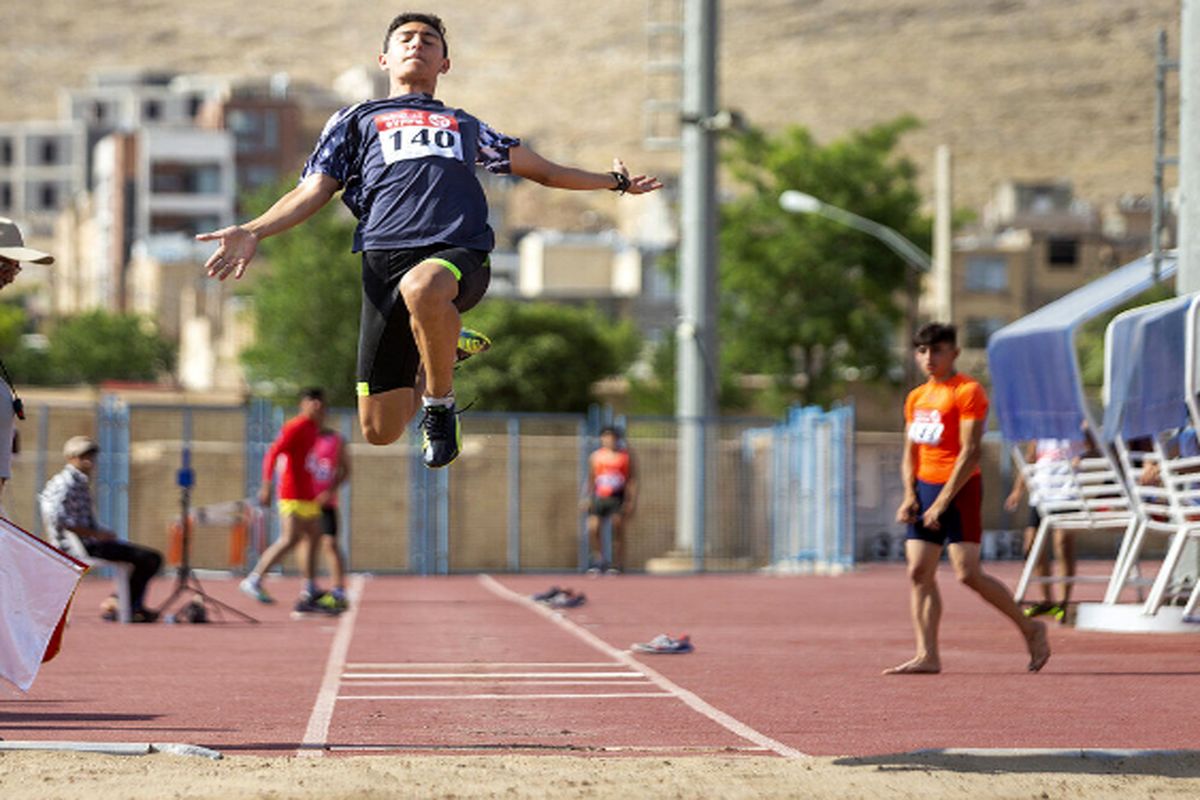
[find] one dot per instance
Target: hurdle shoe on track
(253, 588)
(470, 343)
(441, 436)
(664, 643)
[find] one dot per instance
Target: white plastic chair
(73, 546)
(1171, 508)
(1089, 495)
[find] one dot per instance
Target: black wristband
(622, 182)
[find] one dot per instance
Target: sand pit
(67, 776)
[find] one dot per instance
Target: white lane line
(460, 665)
(691, 699)
(317, 733)
(637, 682)
(488, 675)
(564, 696)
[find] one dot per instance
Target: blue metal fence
(777, 495)
(813, 523)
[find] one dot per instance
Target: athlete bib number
(412, 134)
(926, 427)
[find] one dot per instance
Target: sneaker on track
(664, 643)
(255, 590)
(1039, 609)
(441, 436)
(470, 343)
(328, 601)
(543, 597)
(307, 605)
(567, 599)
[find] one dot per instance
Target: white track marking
(490, 675)
(317, 732)
(564, 696)
(631, 682)
(461, 665)
(692, 700)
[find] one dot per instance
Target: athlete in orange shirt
(943, 497)
(612, 492)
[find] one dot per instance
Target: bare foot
(1039, 647)
(915, 666)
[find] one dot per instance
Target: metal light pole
(801, 203)
(1187, 278)
(695, 398)
(919, 261)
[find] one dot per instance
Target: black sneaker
(441, 436)
(308, 606)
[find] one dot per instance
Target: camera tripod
(186, 581)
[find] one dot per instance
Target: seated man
(67, 507)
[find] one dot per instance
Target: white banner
(37, 582)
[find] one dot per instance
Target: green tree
(656, 395)
(544, 357)
(805, 300)
(1089, 342)
(13, 323)
(99, 346)
(306, 295)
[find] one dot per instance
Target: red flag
(37, 582)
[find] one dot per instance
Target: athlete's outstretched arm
(528, 164)
(239, 243)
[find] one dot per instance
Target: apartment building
(156, 188)
(41, 169)
(1035, 243)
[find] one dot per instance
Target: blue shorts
(962, 521)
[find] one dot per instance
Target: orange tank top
(610, 470)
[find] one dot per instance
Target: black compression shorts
(329, 520)
(387, 352)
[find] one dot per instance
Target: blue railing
(777, 495)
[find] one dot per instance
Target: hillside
(1019, 88)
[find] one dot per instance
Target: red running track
(465, 664)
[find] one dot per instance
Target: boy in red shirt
(943, 497)
(299, 512)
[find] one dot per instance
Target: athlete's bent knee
(968, 577)
(379, 434)
(921, 575)
(421, 286)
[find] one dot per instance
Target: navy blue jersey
(407, 168)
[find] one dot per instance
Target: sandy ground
(34, 775)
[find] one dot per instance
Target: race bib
(320, 468)
(411, 134)
(609, 484)
(926, 427)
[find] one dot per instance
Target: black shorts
(607, 506)
(387, 352)
(961, 522)
(329, 520)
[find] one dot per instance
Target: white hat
(80, 445)
(13, 246)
